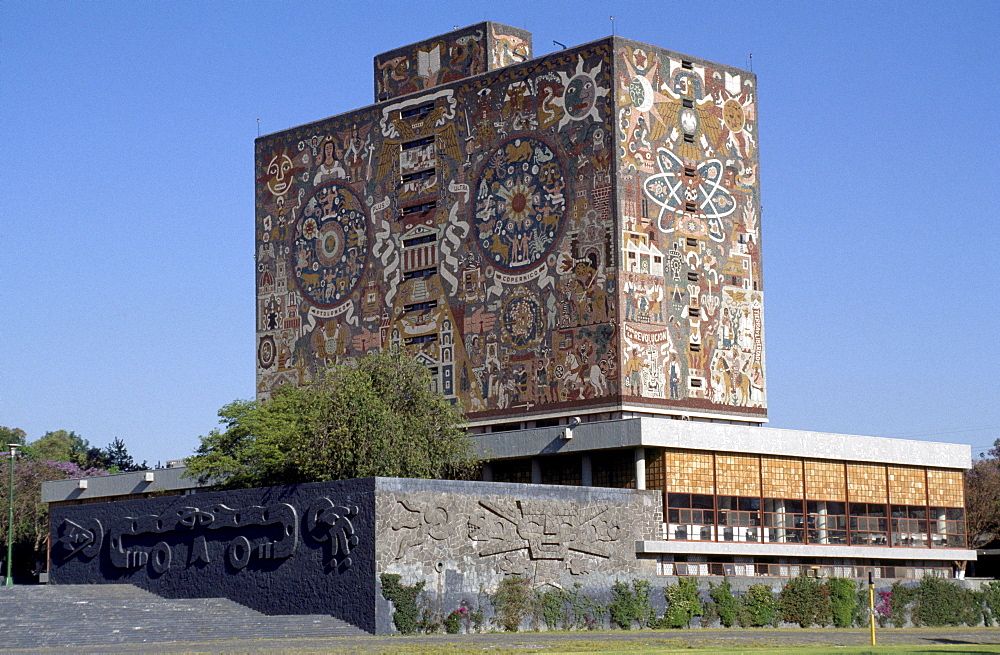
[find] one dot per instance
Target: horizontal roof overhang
(720, 437)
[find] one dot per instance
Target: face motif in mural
(579, 100)
(520, 203)
(330, 246)
(280, 171)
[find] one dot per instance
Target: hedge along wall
(303, 549)
(319, 548)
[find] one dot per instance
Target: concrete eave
(122, 484)
(800, 550)
(697, 435)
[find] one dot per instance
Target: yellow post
(871, 604)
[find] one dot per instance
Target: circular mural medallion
(521, 318)
(330, 245)
(520, 203)
(733, 114)
(689, 121)
(266, 352)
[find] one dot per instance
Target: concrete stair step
(54, 616)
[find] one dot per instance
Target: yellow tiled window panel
(825, 480)
(690, 471)
(866, 483)
(782, 477)
(737, 475)
(907, 485)
(946, 488)
(654, 469)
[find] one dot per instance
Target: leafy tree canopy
(982, 498)
(378, 417)
(61, 446)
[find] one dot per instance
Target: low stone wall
(304, 549)
(320, 548)
(462, 538)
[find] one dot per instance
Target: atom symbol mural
(673, 188)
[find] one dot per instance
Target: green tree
(378, 417)
(982, 498)
(62, 446)
(117, 457)
(31, 516)
(12, 435)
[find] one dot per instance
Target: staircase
(68, 616)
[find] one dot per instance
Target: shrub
(895, 601)
(805, 601)
(883, 607)
(552, 606)
(406, 614)
(991, 603)
(584, 613)
(683, 603)
(453, 622)
(512, 602)
(843, 601)
(938, 603)
(630, 605)
(709, 613)
(862, 611)
(725, 603)
(758, 607)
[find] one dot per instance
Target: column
(640, 468)
(586, 471)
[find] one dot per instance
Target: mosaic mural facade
(575, 230)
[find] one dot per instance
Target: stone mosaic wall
(463, 53)
(689, 206)
(461, 537)
(531, 235)
(470, 223)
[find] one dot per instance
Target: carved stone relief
(128, 537)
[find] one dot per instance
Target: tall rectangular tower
(572, 234)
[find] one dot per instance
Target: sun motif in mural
(736, 110)
(520, 203)
(674, 189)
(580, 95)
(330, 248)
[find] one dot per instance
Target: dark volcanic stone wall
(304, 549)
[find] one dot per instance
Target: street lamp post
(10, 516)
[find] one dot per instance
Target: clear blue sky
(127, 128)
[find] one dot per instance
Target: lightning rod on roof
(612, 18)
(561, 45)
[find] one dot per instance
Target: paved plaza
(123, 618)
